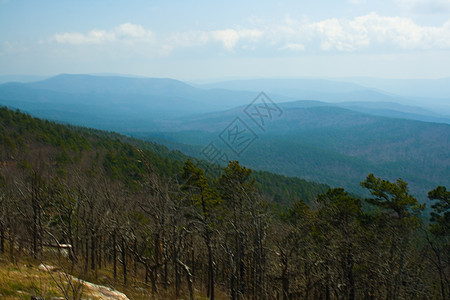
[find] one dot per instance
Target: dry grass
(23, 279)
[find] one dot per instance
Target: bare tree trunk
(233, 281)
(192, 259)
(207, 236)
(177, 277)
(166, 274)
(40, 231)
(114, 254)
(2, 238)
(241, 269)
(100, 249)
(158, 259)
(188, 278)
(135, 261)
(327, 287)
(350, 275)
(86, 255)
(153, 278)
(93, 251)
(285, 276)
(11, 245)
(210, 292)
(440, 268)
(398, 277)
(37, 226)
(35, 237)
(124, 262)
(70, 239)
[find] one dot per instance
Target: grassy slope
(23, 279)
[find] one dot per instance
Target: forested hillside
(329, 144)
(152, 223)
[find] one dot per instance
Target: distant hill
(20, 78)
(433, 94)
(80, 83)
(331, 144)
(115, 103)
(425, 88)
(287, 86)
(396, 110)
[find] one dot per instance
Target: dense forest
(153, 219)
(323, 143)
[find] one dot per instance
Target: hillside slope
(24, 139)
(331, 144)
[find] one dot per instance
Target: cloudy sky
(193, 40)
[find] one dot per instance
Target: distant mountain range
(133, 104)
(115, 103)
(423, 88)
(328, 131)
(431, 93)
(21, 78)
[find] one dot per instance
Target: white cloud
(370, 32)
(293, 47)
(404, 33)
(341, 35)
(124, 32)
(230, 37)
(367, 33)
(165, 50)
(188, 39)
(76, 38)
(7, 47)
(129, 30)
(357, 2)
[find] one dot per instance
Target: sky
(208, 40)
